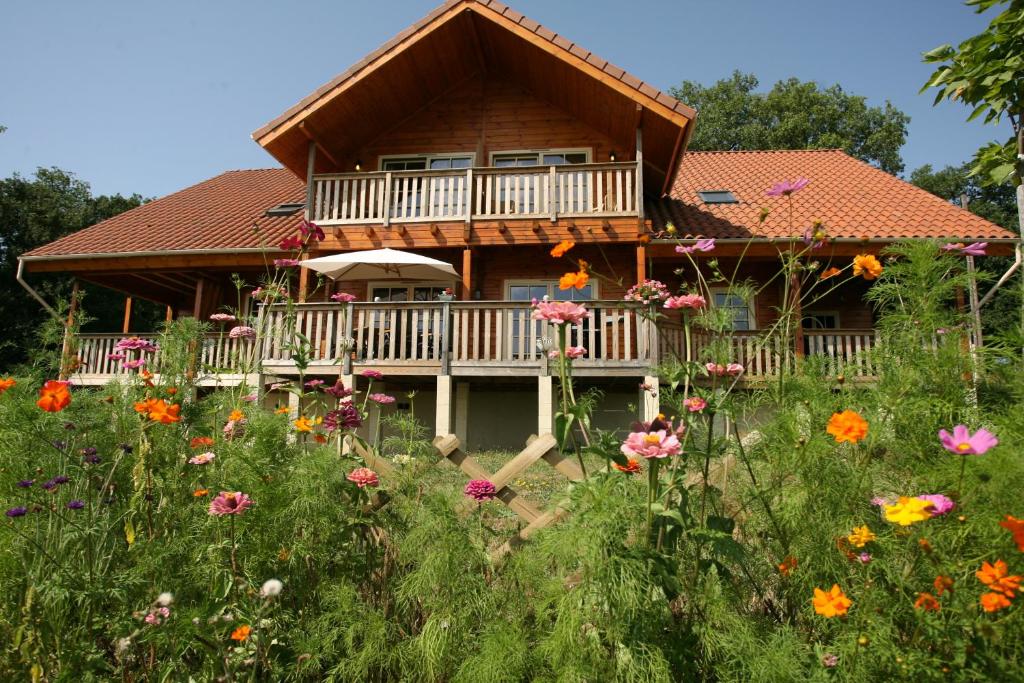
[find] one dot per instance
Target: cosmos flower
(701, 245)
(54, 396)
(559, 249)
(962, 442)
(940, 504)
(866, 266)
(787, 187)
(847, 426)
(831, 603)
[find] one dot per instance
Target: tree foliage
(34, 211)
(794, 115)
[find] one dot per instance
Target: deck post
(641, 263)
(446, 323)
(467, 274)
(462, 411)
(545, 405)
(443, 418)
(126, 325)
(346, 362)
(640, 171)
(553, 193)
(650, 404)
(387, 199)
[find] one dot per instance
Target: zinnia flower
(847, 426)
(787, 187)
(343, 297)
(242, 332)
(1014, 526)
(829, 661)
(996, 577)
(480, 490)
(861, 536)
(223, 318)
(693, 302)
(632, 466)
(156, 616)
(559, 249)
(54, 396)
(135, 344)
(560, 312)
(372, 374)
(201, 459)
(866, 266)
(382, 399)
(962, 442)
(907, 511)
(695, 404)
(363, 477)
(345, 417)
(927, 602)
(230, 503)
(658, 444)
(308, 228)
(702, 245)
(133, 364)
(575, 352)
(833, 603)
(286, 262)
(241, 633)
(940, 503)
(338, 390)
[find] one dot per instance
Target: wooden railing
(572, 190)
(218, 352)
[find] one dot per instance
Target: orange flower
(829, 272)
(241, 633)
(632, 468)
(283, 410)
(144, 407)
(201, 442)
(927, 602)
(578, 280)
(319, 438)
(866, 266)
(6, 384)
(996, 578)
(236, 415)
(303, 424)
(165, 414)
(847, 426)
(562, 247)
(171, 391)
(833, 603)
(1016, 527)
(146, 374)
(199, 493)
(787, 565)
(942, 584)
(993, 602)
(54, 396)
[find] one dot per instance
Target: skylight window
(285, 209)
(717, 197)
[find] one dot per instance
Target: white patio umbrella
(381, 264)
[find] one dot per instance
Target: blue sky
(149, 97)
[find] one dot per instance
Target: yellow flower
(303, 425)
(907, 511)
(866, 266)
(236, 415)
(861, 536)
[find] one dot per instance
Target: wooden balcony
(538, 192)
(471, 338)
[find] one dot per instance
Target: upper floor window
(552, 157)
(422, 162)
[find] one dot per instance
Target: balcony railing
(567, 191)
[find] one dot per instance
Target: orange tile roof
(853, 198)
(218, 213)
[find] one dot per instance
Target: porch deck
(469, 339)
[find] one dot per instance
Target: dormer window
(717, 197)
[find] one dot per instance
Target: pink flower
(962, 442)
(864, 558)
(695, 404)
(133, 364)
(230, 503)
(372, 374)
(787, 187)
(156, 616)
(704, 245)
(647, 292)
(575, 352)
(223, 318)
(135, 344)
(307, 228)
(343, 297)
(250, 398)
(879, 501)
(691, 301)
(382, 399)
(115, 356)
(201, 459)
(560, 312)
(975, 249)
(242, 332)
(480, 490)
(289, 243)
(733, 369)
(286, 262)
(940, 503)
(314, 383)
(659, 444)
(362, 477)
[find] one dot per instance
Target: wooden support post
(545, 405)
(126, 325)
(310, 164)
(798, 316)
(641, 263)
(462, 411)
(640, 168)
(197, 304)
(443, 418)
(649, 399)
(170, 314)
(303, 284)
(467, 275)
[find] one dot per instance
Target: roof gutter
(832, 240)
(131, 254)
(34, 293)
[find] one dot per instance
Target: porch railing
(572, 190)
(218, 351)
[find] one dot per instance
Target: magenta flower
(133, 364)
(286, 262)
(307, 228)
(480, 490)
(703, 245)
(251, 398)
(560, 312)
(363, 477)
(940, 503)
(864, 558)
(686, 301)
(343, 297)
(372, 374)
(575, 352)
(962, 442)
(382, 399)
(974, 249)
(202, 458)
(695, 404)
(135, 344)
(719, 370)
(289, 243)
(242, 332)
(115, 356)
(230, 503)
(314, 383)
(659, 444)
(787, 187)
(223, 318)
(345, 417)
(338, 390)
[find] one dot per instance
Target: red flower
(54, 396)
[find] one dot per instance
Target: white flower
(164, 599)
(271, 588)
(402, 459)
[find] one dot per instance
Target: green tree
(34, 211)
(794, 115)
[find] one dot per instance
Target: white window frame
(426, 157)
(589, 151)
(409, 287)
(530, 282)
(751, 305)
(835, 314)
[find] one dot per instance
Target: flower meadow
(814, 528)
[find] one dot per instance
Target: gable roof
(854, 199)
(218, 213)
(457, 40)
